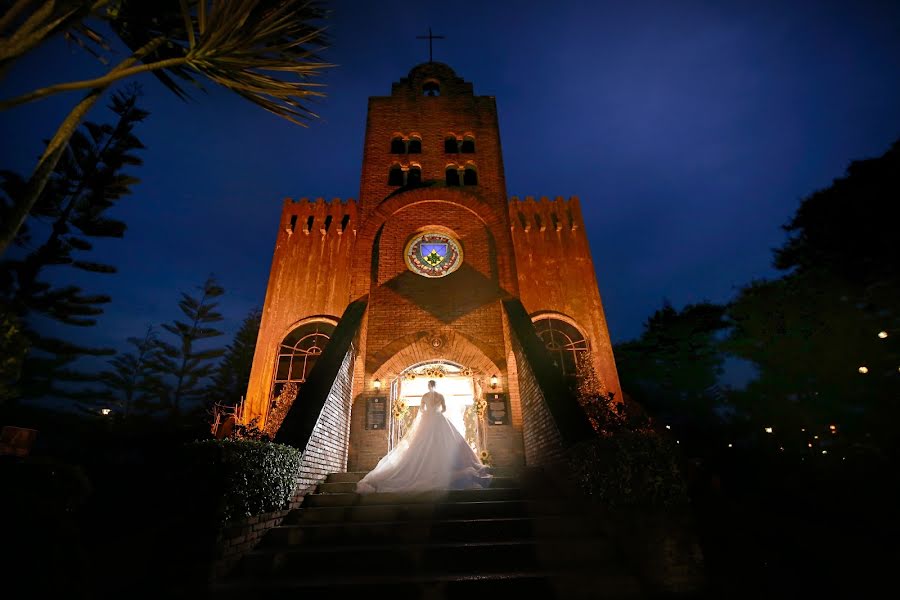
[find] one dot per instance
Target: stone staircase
(520, 536)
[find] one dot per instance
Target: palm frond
(266, 51)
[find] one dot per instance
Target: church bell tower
(433, 273)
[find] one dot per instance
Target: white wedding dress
(432, 456)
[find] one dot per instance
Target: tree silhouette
(88, 181)
(187, 365)
(263, 50)
(133, 382)
(815, 334)
(674, 366)
(233, 373)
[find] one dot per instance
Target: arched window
(396, 175)
(398, 146)
(566, 345)
(431, 88)
(414, 176)
(298, 353)
(468, 145)
(414, 146)
(471, 176)
(452, 175)
(451, 145)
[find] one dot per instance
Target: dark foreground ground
(123, 523)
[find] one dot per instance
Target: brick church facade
(433, 273)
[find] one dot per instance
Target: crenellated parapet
(557, 214)
(319, 216)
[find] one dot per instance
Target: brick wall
(408, 112)
(240, 537)
(326, 451)
(310, 277)
(557, 273)
(542, 440)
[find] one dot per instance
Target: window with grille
(298, 352)
(566, 345)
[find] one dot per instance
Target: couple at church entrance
(433, 455)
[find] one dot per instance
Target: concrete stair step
(354, 476)
(353, 499)
(449, 557)
(577, 585)
(350, 476)
(448, 530)
(349, 487)
(428, 511)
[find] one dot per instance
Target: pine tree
(233, 373)
(189, 366)
(87, 181)
(133, 383)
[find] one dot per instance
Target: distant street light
(882, 334)
(864, 370)
(105, 411)
(769, 430)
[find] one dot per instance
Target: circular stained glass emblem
(433, 254)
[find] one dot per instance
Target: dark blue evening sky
(690, 131)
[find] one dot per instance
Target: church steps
(596, 585)
(353, 499)
(349, 487)
(456, 557)
(517, 539)
(428, 511)
(441, 530)
(503, 473)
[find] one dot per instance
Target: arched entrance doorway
(459, 386)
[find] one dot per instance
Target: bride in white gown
(432, 456)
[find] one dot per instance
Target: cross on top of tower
(430, 37)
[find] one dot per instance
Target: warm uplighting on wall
(882, 334)
(376, 384)
(864, 370)
(494, 381)
(769, 430)
(105, 411)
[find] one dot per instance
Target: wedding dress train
(432, 456)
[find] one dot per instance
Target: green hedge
(629, 468)
(243, 477)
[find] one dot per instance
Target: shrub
(244, 477)
(629, 468)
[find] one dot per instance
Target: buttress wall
(310, 277)
(556, 273)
